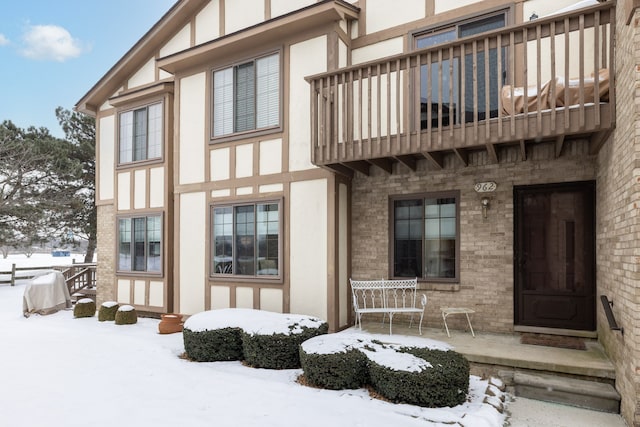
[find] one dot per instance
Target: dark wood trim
(255, 279)
(408, 161)
(558, 145)
(436, 158)
(463, 155)
(427, 195)
(384, 164)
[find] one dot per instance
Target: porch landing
(584, 378)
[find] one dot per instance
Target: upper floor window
(247, 239)
(246, 96)
(141, 134)
(140, 243)
(425, 236)
(443, 85)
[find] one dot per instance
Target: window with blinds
(141, 134)
(246, 97)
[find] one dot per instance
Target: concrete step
(569, 391)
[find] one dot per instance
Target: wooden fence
(77, 276)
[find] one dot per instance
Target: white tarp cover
(46, 294)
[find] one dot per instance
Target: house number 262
(485, 187)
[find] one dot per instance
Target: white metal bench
(387, 297)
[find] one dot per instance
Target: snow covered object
(108, 310)
(126, 315)
(260, 338)
(419, 372)
(84, 307)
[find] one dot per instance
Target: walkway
(490, 353)
(506, 350)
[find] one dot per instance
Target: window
(246, 96)
(425, 237)
(432, 92)
(139, 244)
(141, 134)
(247, 239)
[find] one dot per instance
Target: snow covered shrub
(85, 307)
(213, 345)
(263, 339)
(278, 350)
(434, 379)
(415, 372)
(334, 364)
(108, 311)
(126, 315)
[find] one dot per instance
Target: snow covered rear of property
(251, 321)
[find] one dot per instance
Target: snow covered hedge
(423, 373)
(263, 339)
(126, 315)
(84, 307)
(217, 345)
(108, 311)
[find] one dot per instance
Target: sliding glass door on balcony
(447, 90)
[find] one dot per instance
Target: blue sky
(53, 51)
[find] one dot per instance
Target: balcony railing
(544, 80)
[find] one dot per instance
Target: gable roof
(170, 23)
(175, 19)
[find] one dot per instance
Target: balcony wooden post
(314, 120)
(433, 117)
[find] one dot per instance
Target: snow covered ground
(59, 371)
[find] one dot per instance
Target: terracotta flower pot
(170, 323)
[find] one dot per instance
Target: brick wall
(618, 221)
(486, 245)
(106, 254)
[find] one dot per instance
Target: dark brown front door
(555, 256)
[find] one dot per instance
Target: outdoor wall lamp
(485, 206)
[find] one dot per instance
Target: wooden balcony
(469, 94)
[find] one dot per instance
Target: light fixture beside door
(483, 188)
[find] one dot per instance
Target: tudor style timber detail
(388, 117)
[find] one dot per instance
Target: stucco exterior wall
(383, 14)
(191, 260)
(242, 14)
(280, 7)
(156, 187)
(192, 129)
(208, 22)
(179, 42)
(106, 162)
(145, 75)
(306, 58)
(308, 218)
